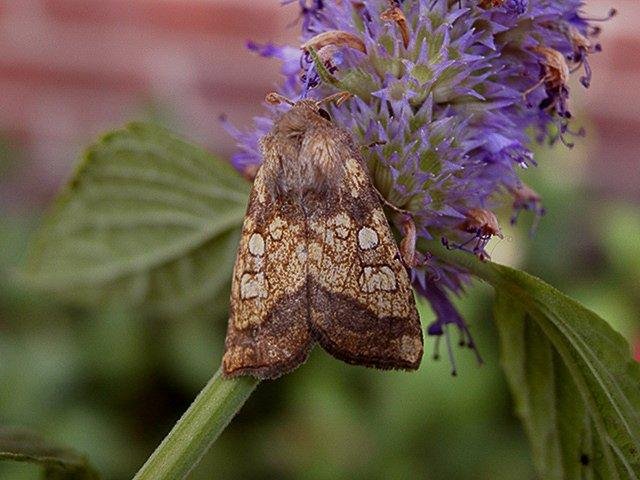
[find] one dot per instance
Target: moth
(317, 262)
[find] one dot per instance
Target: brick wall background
(613, 102)
(70, 69)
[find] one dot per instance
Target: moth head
(303, 115)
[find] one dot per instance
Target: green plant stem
(197, 429)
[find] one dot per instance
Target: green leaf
(547, 399)
(574, 382)
(147, 219)
(59, 463)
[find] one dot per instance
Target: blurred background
(112, 383)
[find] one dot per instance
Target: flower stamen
(446, 315)
(582, 47)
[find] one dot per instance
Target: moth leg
(410, 256)
(526, 93)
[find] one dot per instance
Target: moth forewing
(268, 332)
(362, 305)
(317, 260)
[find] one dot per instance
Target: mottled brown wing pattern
(362, 305)
(268, 332)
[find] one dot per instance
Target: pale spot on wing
(275, 228)
(341, 224)
(411, 348)
(342, 232)
(374, 279)
(368, 238)
(315, 252)
(243, 322)
(301, 253)
(253, 285)
(328, 238)
(342, 220)
(256, 245)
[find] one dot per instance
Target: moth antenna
(339, 98)
(496, 245)
(275, 99)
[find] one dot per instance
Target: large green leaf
(58, 463)
(575, 384)
(147, 219)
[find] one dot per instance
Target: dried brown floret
(394, 14)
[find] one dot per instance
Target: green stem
(197, 429)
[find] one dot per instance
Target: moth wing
(268, 333)
(362, 305)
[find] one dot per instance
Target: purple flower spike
(445, 94)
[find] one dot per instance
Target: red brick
(220, 18)
(194, 17)
(621, 54)
(67, 78)
(92, 12)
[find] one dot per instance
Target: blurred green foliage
(111, 382)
